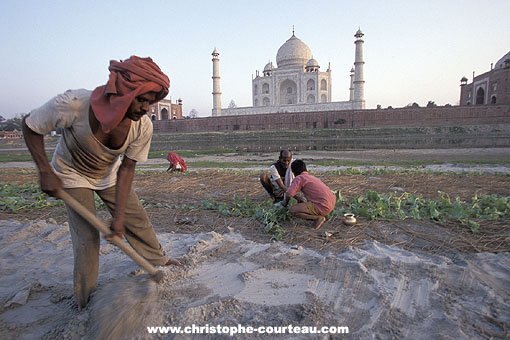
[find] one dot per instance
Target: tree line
(12, 123)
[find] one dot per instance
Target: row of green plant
(403, 206)
(210, 165)
(16, 197)
(243, 168)
(375, 205)
(270, 215)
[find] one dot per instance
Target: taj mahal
(296, 84)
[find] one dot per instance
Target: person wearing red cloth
(105, 133)
(176, 163)
(320, 198)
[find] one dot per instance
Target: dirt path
(381, 155)
(452, 160)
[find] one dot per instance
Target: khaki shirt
(80, 160)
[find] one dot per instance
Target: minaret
(351, 88)
(216, 111)
(359, 82)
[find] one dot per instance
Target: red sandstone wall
(178, 111)
(499, 85)
(435, 116)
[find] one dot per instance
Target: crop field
(435, 212)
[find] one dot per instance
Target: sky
(414, 51)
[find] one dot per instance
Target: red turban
(128, 79)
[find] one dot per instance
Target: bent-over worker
(176, 163)
(105, 132)
(320, 199)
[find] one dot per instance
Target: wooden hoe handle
(99, 225)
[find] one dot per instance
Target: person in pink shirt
(176, 163)
(320, 198)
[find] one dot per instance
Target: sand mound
(378, 292)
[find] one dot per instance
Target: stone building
(296, 84)
(492, 87)
(165, 110)
(11, 134)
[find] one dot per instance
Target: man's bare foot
(319, 222)
(177, 262)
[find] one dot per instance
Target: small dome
(293, 52)
(501, 62)
(359, 34)
(312, 63)
(268, 67)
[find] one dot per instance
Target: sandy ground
(378, 292)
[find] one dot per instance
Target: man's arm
(124, 180)
(49, 182)
(276, 177)
(286, 199)
(281, 184)
(291, 191)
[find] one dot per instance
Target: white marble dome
(268, 67)
(293, 52)
(312, 63)
(501, 62)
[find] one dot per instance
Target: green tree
(193, 113)
(12, 124)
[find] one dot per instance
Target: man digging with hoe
(98, 127)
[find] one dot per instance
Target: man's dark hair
(285, 151)
(298, 166)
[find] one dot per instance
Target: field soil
(186, 192)
(384, 279)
